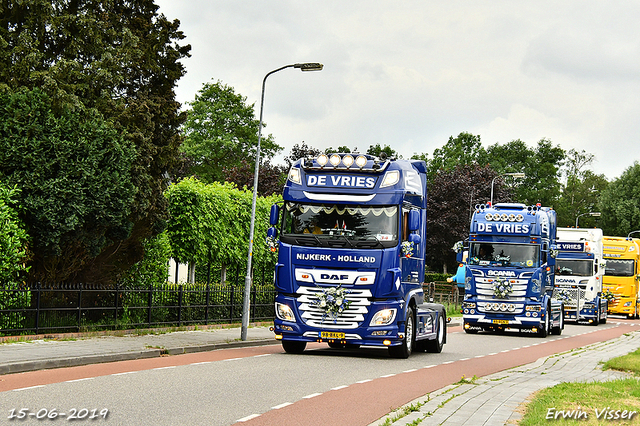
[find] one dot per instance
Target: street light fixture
(515, 175)
(310, 66)
(593, 214)
(632, 232)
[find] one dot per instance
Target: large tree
(121, 58)
(222, 131)
(453, 195)
(541, 166)
(464, 149)
(620, 203)
(581, 190)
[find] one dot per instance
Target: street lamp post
(515, 175)
(594, 214)
(247, 281)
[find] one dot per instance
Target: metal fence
(39, 308)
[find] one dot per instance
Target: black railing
(40, 308)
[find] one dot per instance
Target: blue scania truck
(351, 240)
(510, 274)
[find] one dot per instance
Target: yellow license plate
(331, 335)
(500, 321)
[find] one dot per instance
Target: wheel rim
(409, 332)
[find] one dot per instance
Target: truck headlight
(627, 304)
(284, 312)
(383, 317)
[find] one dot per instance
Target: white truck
(580, 268)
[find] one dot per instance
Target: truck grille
(350, 318)
(484, 286)
(572, 293)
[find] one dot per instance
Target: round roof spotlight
(347, 160)
(334, 160)
(512, 217)
(504, 217)
(361, 161)
(488, 216)
(519, 218)
(322, 160)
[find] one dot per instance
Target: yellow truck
(620, 283)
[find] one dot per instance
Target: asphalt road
(263, 385)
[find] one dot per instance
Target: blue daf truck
(511, 270)
(351, 240)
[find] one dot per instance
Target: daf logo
(334, 277)
(501, 273)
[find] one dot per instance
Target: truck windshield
(334, 225)
(619, 267)
(580, 268)
(504, 254)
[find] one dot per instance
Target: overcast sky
(410, 74)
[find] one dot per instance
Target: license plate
(500, 321)
(331, 335)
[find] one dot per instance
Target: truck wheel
(435, 345)
(597, 320)
(293, 346)
(543, 331)
(605, 313)
(404, 350)
(558, 330)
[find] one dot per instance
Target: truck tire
(543, 331)
(605, 313)
(435, 345)
(404, 350)
(558, 330)
(293, 346)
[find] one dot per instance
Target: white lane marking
(340, 387)
(364, 381)
(388, 375)
(246, 419)
(463, 359)
(30, 387)
(164, 368)
(429, 366)
(277, 407)
(202, 363)
(410, 371)
(122, 374)
(311, 396)
(79, 380)
(232, 359)
(258, 356)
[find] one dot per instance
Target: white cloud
(409, 74)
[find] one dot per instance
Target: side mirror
(414, 220)
(274, 215)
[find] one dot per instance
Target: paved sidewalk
(494, 399)
(44, 354)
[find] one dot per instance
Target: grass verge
(596, 403)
